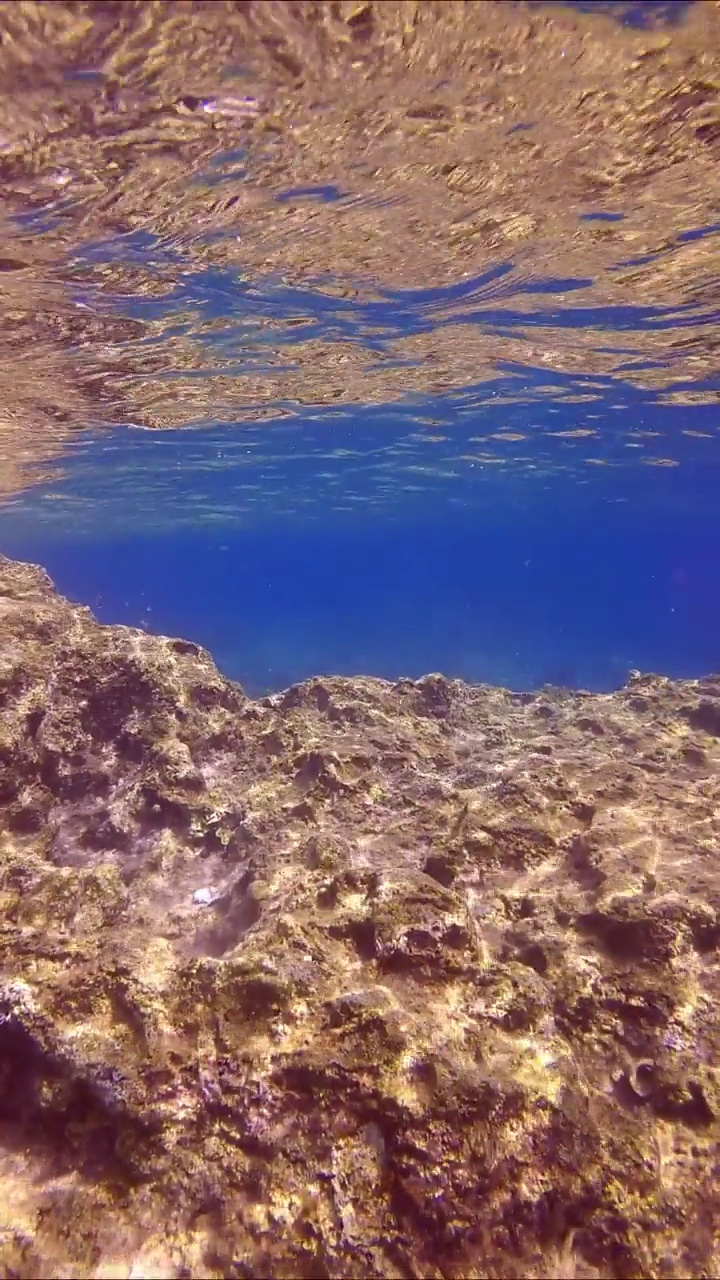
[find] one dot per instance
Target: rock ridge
(363, 979)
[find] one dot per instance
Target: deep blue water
(306, 546)
(577, 601)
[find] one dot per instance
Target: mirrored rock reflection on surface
(410, 979)
(221, 212)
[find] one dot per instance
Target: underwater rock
(359, 980)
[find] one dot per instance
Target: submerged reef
(358, 980)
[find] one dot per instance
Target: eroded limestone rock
(360, 980)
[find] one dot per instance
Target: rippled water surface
(363, 337)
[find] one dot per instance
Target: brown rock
(363, 979)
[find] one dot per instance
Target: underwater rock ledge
(359, 980)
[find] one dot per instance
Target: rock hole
(364, 936)
(440, 869)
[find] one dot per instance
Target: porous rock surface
(359, 980)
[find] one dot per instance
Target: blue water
(517, 526)
(345, 542)
(577, 601)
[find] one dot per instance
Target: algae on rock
(363, 979)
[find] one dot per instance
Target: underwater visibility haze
(518, 545)
(374, 347)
